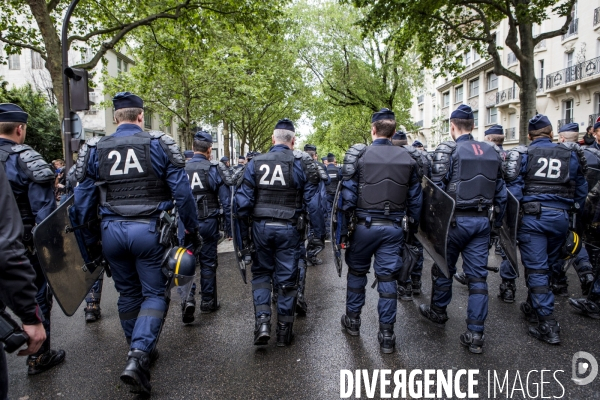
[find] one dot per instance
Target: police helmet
(571, 246)
(180, 265)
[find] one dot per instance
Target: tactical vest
(128, 185)
(276, 196)
(207, 201)
(592, 156)
(384, 176)
(548, 172)
(22, 198)
(475, 168)
(333, 173)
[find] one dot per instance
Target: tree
(434, 24)
(43, 124)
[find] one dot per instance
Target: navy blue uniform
(469, 235)
(277, 239)
(542, 234)
(334, 175)
(378, 232)
(129, 229)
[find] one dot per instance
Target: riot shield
(436, 216)
(508, 231)
(60, 258)
(242, 255)
(588, 226)
(336, 244)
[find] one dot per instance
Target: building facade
(567, 71)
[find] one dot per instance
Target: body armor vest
(207, 201)
(22, 199)
(276, 196)
(384, 176)
(129, 186)
(475, 168)
(592, 156)
(333, 173)
(548, 172)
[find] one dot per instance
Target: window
(492, 116)
(598, 103)
(541, 68)
(446, 126)
(86, 55)
(119, 65)
(446, 99)
(36, 60)
(467, 57)
(474, 87)
(475, 118)
(492, 81)
(568, 106)
(458, 94)
(147, 119)
(14, 61)
(569, 60)
(476, 56)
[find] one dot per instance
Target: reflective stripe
(178, 257)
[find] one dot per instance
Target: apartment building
(567, 70)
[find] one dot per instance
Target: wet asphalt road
(214, 358)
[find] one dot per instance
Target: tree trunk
(226, 139)
(528, 87)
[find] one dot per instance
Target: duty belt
(276, 221)
(377, 222)
(471, 213)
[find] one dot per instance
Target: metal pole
(67, 114)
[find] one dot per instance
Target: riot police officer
(210, 184)
(471, 173)
(31, 180)
(133, 176)
(334, 175)
(412, 286)
(279, 188)
(380, 186)
(548, 180)
(311, 150)
(241, 161)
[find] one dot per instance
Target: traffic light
(78, 88)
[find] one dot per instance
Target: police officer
(133, 176)
(225, 160)
(568, 134)
(210, 186)
(311, 150)
(418, 145)
(334, 176)
(471, 173)
(406, 289)
(548, 180)
(380, 186)
(17, 277)
(31, 180)
(188, 154)
(241, 162)
(279, 188)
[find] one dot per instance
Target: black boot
(188, 308)
(386, 337)
(44, 360)
(301, 306)
(284, 333)
(560, 289)
(508, 290)
(589, 307)
(529, 312)
(473, 340)
(137, 372)
(548, 330)
(313, 260)
(587, 281)
(435, 314)
(92, 312)
(461, 278)
(498, 249)
(262, 330)
(404, 291)
(351, 323)
(416, 285)
(209, 306)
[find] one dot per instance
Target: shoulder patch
(83, 157)
(170, 147)
(511, 166)
(440, 162)
(351, 160)
(32, 163)
(309, 165)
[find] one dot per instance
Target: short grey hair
(127, 114)
(283, 136)
(570, 136)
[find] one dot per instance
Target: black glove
(494, 236)
(194, 239)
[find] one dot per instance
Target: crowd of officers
(282, 203)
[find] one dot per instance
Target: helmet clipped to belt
(180, 266)
(571, 246)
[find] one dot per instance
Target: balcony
(419, 123)
(511, 59)
(507, 95)
(510, 133)
(572, 31)
(597, 16)
(592, 119)
(540, 84)
(574, 73)
(564, 121)
(421, 99)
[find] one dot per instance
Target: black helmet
(571, 246)
(180, 265)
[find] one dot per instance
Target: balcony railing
(510, 133)
(511, 59)
(419, 123)
(564, 121)
(592, 119)
(507, 94)
(540, 45)
(540, 84)
(572, 29)
(421, 99)
(597, 16)
(573, 73)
